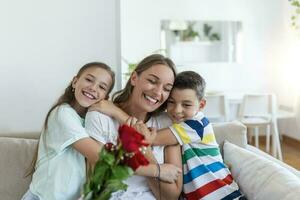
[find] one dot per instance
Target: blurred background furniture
(259, 111)
(216, 109)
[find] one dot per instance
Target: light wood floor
(290, 150)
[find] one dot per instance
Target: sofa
(259, 175)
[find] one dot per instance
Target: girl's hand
(106, 107)
(109, 108)
(169, 173)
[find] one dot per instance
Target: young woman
(60, 170)
(143, 98)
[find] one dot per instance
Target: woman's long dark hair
(123, 95)
(69, 97)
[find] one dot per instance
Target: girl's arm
(109, 108)
(89, 148)
(161, 189)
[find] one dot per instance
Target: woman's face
(151, 88)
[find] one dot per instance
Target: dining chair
(216, 109)
(258, 111)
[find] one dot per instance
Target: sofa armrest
(234, 132)
(16, 156)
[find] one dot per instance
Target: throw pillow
(260, 178)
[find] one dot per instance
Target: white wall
(42, 46)
(262, 20)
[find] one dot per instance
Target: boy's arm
(165, 137)
(109, 108)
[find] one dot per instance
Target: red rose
(131, 139)
(132, 142)
(136, 161)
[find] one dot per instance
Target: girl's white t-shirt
(60, 169)
(105, 129)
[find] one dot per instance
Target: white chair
(259, 111)
(216, 109)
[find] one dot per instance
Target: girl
(60, 169)
(143, 97)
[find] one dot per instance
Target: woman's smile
(150, 99)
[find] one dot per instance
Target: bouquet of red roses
(116, 163)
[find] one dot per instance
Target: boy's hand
(151, 137)
(141, 127)
(148, 133)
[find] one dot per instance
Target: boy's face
(183, 104)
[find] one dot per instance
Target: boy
(205, 175)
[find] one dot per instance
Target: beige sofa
(17, 151)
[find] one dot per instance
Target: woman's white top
(105, 129)
(60, 169)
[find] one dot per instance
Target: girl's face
(151, 88)
(91, 86)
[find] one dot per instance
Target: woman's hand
(169, 173)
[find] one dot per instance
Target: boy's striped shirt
(205, 175)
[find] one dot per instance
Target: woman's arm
(168, 172)
(161, 189)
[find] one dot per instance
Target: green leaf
(110, 187)
(86, 188)
(115, 185)
(105, 195)
(107, 157)
(131, 67)
(99, 173)
(296, 3)
(214, 37)
(88, 196)
(121, 172)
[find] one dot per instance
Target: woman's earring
(73, 89)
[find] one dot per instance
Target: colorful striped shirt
(205, 175)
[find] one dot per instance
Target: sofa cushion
(234, 132)
(260, 178)
(16, 156)
(265, 155)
